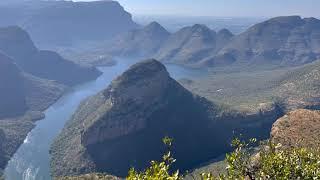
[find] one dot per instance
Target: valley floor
(241, 89)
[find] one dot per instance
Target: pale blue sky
(223, 7)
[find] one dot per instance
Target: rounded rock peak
(225, 32)
(154, 24)
(289, 21)
(14, 32)
(148, 66)
(155, 27)
(200, 27)
(143, 70)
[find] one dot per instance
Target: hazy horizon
(221, 8)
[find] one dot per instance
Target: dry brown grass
(299, 128)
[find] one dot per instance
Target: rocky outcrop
(123, 125)
(287, 41)
(192, 45)
(299, 128)
(139, 43)
(65, 23)
(138, 96)
(17, 44)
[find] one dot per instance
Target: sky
(224, 8)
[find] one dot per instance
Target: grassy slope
(240, 89)
(245, 88)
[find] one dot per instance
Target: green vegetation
(239, 88)
(271, 162)
(158, 170)
(245, 88)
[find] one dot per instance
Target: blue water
(31, 161)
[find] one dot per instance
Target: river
(32, 159)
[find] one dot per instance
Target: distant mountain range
(191, 44)
(284, 41)
(65, 23)
(281, 40)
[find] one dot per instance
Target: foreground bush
(270, 162)
(157, 170)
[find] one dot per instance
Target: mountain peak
(143, 71)
(225, 32)
(13, 39)
(148, 66)
(200, 27)
(156, 27)
(140, 107)
(202, 30)
(287, 21)
(154, 24)
(286, 18)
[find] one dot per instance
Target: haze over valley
(88, 89)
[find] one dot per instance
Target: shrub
(270, 162)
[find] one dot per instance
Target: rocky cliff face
(52, 23)
(139, 43)
(282, 40)
(17, 44)
(12, 90)
(299, 128)
(143, 94)
(123, 125)
(192, 45)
